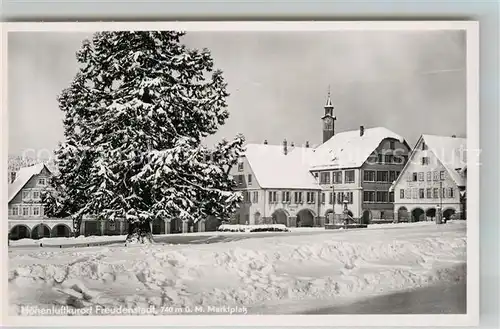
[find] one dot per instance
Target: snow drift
(279, 269)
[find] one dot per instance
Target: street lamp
(346, 211)
(439, 218)
(333, 204)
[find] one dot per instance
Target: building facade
(433, 181)
(304, 186)
(26, 218)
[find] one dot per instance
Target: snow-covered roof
(451, 152)
(273, 169)
(348, 149)
(22, 178)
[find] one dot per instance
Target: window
(392, 145)
(421, 193)
(401, 193)
(350, 197)
(429, 176)
(369, 176)
(324, 178)
(285, 197)
(36, 195)
(414, 193)
(424, 147)
(337, 177)
(436, 175)
(26, 195)
(380, 158)
(392, 176)
(391, 196)
(112, 225)
(42, 181)
(397, 174)
(349, 176)
(246, 196)
(255, 198)
(249, 179)
(408, 193)
(443, 192)
(421, 176)
(415, 176)
(441, 175)
(425, 161)
(15, 211)
(36, 211)
(26, 211)
(310, 197)
(332, 197)
(429, 193)
(382, 196)
(298, 197)
(452, 192)
(397, 159)
(240, 166)
(323, 198)
(435, 193)
(388, 158)
(382, 176)
(240, 180)
(340, 197)
(315, 175)
(368, 196)
(273, 197)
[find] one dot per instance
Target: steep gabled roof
(451, 152)
(273, 169)
(23, 177)
(348, 149)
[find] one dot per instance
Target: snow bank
(250, 272)
(253, 228)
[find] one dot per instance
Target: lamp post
(346, 211)
(439, 218)
(333, 204)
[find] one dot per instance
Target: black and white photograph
(187, 172)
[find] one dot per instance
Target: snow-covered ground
(110, 239)
(280, 273)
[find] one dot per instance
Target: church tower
(328, 119)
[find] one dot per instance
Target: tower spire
(328, 100)
(329, 118)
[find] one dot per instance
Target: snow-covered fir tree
(135, 117)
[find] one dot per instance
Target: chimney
(285, 147)
(361, 130)
(265, 141)
(307, 144)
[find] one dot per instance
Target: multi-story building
(26, 218)
(433, 180)
(25, 208)
(309, 186)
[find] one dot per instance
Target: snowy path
(261, 273)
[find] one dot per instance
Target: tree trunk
(77, 222)
(139, 233)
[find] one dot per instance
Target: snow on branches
(135, 116)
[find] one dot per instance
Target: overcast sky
(410, 82)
